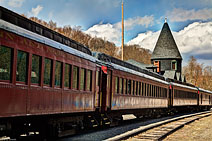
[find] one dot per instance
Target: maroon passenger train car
(42, 73)
(132, 90)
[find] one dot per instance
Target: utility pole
(122, 45)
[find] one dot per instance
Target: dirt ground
(199, 130)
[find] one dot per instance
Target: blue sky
(190, 20)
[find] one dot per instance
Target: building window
(21, 73)
(174, 65)
(36, 67)
(5, 63)
(157, 63)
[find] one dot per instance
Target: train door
(198, 94)
(170, 96)
(105, 94)
(201, 97)
(97, 92)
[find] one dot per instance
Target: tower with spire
(166, 55)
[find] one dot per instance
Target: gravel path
(111, 132)
(200, 130)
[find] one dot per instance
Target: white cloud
(105, 31)
(35, 11)
(112, 32)
(180, 15)
(15, 3)
(132, 22)
(146, 40)
(196, 38)
(193, 40)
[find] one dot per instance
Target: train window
(124, 86)
(159, 89)
(144, 90)
(150, 90)
(47, 71)
(67, 75)
(165, 92)
(97, 78)
(139, 88)
(129, 87)
(108, 84)
(21, 73)
(75, 77)
(82, 79)
(156, 90)
(121, 85)
(89, 80)
(136, 86)
(153, 90)
(142, 86)
(133, 87)
(117, 85)
(5, 63)
(58, 74)
(36, 67)
(147, 89)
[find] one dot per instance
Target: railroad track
(159, 130)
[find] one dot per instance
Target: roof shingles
(166, 47)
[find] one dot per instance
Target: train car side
(205, 99)
(38, 79)
(131, 91)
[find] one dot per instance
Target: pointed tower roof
(166, 47)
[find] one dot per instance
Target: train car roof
(127, 67)
(184, 86)
(39, 38)
(32, 26)
(203, 90)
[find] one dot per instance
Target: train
(54, 85)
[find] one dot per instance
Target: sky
(189, 20)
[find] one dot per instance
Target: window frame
(11, 64)
(77, 78)
(80, 79)
(70, 75)
(51, 72)
(40, 71)
(27, 68)
(86, 87)
(61, 74)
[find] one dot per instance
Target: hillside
(134, 52)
